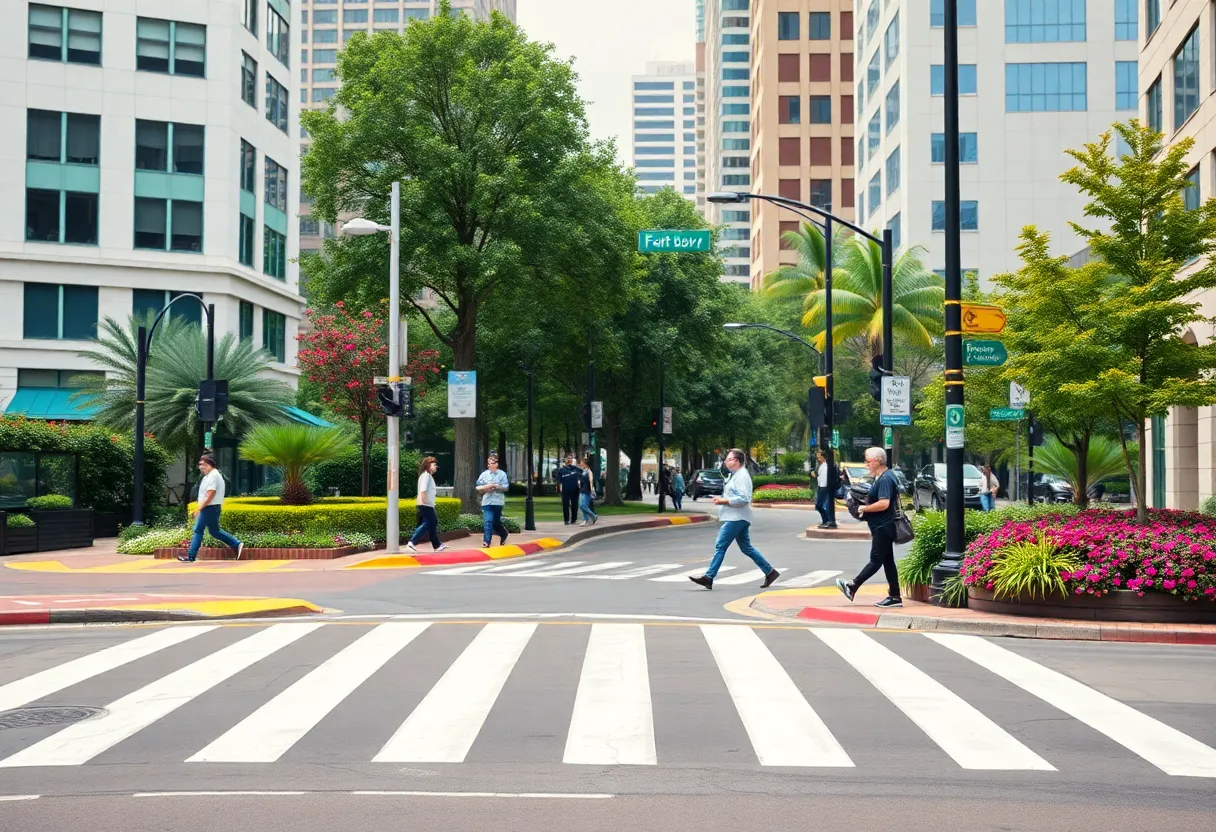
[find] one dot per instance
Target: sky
(611, 41)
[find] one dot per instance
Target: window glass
(189, 49)
(276, 103)
(893, 172)
(968, 148)
(79, 312)
(873, 76)
(41, 304)
(274, 334)
(249, 174)
(246, 321)
(787, 26)
(1044, 21)
(46, 32)
(1056, 87)
(891, 41)
(967, 83)
(1191, 195)
(249, 15)
(1127, 19)
(151, 218)
(41, 215)
(937, 13)
(1126, 81)
(246, 242)
(873, 135)
(968, 213)
(821, 25)
(188, 148)
(821, 109)
(84, 37)
(43, 136)
(152, 45)
(892, 106)
(249, 80)
(151, 145)
(1186, 78)
(875, 198)
(187, 226)
(80, 218)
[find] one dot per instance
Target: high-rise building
(729, 127)
(664, 128)
(802, 118)
(145, 157)
(327, 25)
(701, 126)
(1175, 97)
(1043, 77)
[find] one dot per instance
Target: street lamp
(361, 227)
(529, 368)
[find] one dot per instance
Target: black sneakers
(704, 581)
(772, 576)
(846, 587)
(889, 602)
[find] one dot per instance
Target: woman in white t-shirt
(207, 516)
(428, 520)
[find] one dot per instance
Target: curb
(461, 556)
(174, 611)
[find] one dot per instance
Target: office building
(664, 128)
(145, 157)
(702, 206)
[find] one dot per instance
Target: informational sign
(863, 441)
(674, 240)
(462, 394)
(896, 400)
(888, 437)
(1019, 396)
(836, 439)
(981, 317)
(954, 426)
(597, 415)
(1006, 414)
(667, 421)
(983, 353)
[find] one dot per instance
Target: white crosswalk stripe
(745, 578)
(629, 570)
(810, 579)
(607, 716)
(684, 576)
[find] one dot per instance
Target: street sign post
(462, 394)
(1019, 396)
(1006, 414)
(984, 353)
(981, 317)
(896, 408)
(667, 421)
(597, 415)
(674, 240)
(954, 426)
(888, 437)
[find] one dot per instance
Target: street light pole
(141, 362)
(529, 510)
(829, 410)
(393, 519)
(888, 325)
(662, 501)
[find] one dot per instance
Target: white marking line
(810, 579)
(563, 571)
(684, 576)
(81, 742)
(613, 722)
(783, 728)
(538, 795)
(745, 578)
(219, 794)
(1167, 748)
(271, 730)
(14, 798)
(447, 721)
(485, 568)
(971, 739)
(640, 572)
(43, 684)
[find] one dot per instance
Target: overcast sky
(611, 41)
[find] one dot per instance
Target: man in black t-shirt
(567, 479)
(880, 511)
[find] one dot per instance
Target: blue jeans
(735, 531)
(208, 520)
(428, 524)
(987, 501)
(584, 507)
(491, 523)
(825, 505)
(677, 500)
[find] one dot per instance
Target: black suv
(706, 482)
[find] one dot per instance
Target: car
(929, 490)
(706, 482)
(860, 479)
(1048, 488)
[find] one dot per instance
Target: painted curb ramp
(107, 609)
(461, 556)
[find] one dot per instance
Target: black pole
(595, 454)
(529, 510)
(829, 416)
(888, 315)
(662, 496)
(952, 560)
(141, 362)
(1030, 467)
(203, 426)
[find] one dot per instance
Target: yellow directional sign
(978, 317)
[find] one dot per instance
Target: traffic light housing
(816, 409)
(212, 400)
(387, 394)
(876, 374)
(841, 412)
(396, 399)
(655, 417)
(1036, 432)
(586, 413)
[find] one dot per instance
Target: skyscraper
(664, 128)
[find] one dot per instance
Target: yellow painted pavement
(159, 567)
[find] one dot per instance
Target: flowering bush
(1174, 552)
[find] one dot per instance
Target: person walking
(493, 485)
(207, 515)
(567, 482)
(989, 488)
(735, 514)
(677, 490)
(825, 494)
(880, 510)
(586, 493)
(428, 520)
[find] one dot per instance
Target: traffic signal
(406, 395)
(1036, 432)
(586, 413)
(654, 418)
(876, 374)
(387, 394)
(212, 400)
(841, 411)
(816, 409)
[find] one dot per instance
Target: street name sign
(674, 240)
(462, 394)
(597, 415)
(1019, 396)
(896, 406)
(1006, 414)
(835, 439)
(983, 353)
(954, 426)
(981, 317)
(888, 437)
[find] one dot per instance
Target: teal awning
(306, 418)
(50, 403)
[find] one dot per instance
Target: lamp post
(529, 368)
(357, 228)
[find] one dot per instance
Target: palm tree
(1104, 459)
(797, 280)
(293, 449)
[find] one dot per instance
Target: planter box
(107, 525)
(209, 553)
(919, 592)
(1121, 605)
(67, 529)
(18, 541)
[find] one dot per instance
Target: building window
(896, 226)
(169, 46)
(861, 153)
(246, 321)
(66, 138)
(891, 41)
(1045, 88)
(386, 16)
(146, 304)
(169, 148)
(735, 179)
(274, 253)
(872, 15)
(249, 81)
(821, 109)
(968, 148)
(937, 13)
(246, 242)
(654, 99)
(734, 40)
(969, 215)
(821, 25)
(60, 312)
(739, 74)
(354, 15)
(168, 224)
(276, 185)
(821, 67)
(276, 103)
(1186, 78)
(789, 109)
(1153, 105)
(740, 109)
(1152, 15)
(325, 36)
(1127, 19)
(875, 198)
(654, 111)
(249, 15)
(1044, 21)
(736, 144)
(873, 135)
(61, 216)
(893, 172)
(324, 56)
(892, 108)
(729, 92)
(1191, 195)
(1126, 79)
(274, 335)
(654, 85)
(735, 58)
(249, 158)
(59, 34)
(873, 76)
(821, 194)
(736, 216)
(278, 36)
(967, 84)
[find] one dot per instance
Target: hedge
(803, 481)
(783, 495)
(330, 515)
(346, 473)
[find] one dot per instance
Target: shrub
(1208, 506)
(244, 516)
(792, 462)
(472, 523)
(51, 502)
(1032, 567)
(19, 521)
(271, 489)
(345, 473)
(782, 495)
(147, 544)
(293, 449)
(762, 480)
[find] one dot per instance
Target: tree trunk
(1142, 474)
(612, 471)
(365, 452)
(1081, 452)
(633, 488)
(502, 453)
(464, 352)
(694, 461)
(1136, 478)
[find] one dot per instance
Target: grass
(550, 508)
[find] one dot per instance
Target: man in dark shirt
(880, 510)
(567, 479)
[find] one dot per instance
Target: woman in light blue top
(493, 485)
(735, 514)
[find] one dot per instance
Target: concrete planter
(1121, 605)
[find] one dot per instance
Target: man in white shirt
(735, 514)
(825, 496)
(207, 516)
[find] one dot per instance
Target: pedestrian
(207, 515)
(677, 490)
(735, 515)
(825, 493)
(990, 487)
(586, 493)
(493, 485)
(880, 511)
(567, 483)
(428, 520)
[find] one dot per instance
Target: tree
(486, 133)
(293, 449)
(1104, 459)
(800, 279)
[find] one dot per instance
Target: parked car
(860, 479)
(706, 482)
(929, 490)
(1048, 488)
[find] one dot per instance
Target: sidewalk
(828, 605)
(138, 606)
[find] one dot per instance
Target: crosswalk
(428, 692)
(624, 570)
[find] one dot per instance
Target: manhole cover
(36, 717)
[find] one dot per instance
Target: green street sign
(1006, 414)
(954, 425)
(984, 353)
(888, 437)
(836, 439)
(674, 240)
